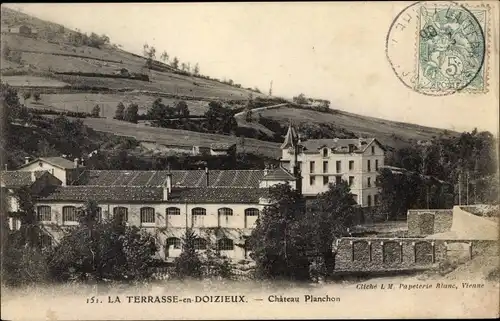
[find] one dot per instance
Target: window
(225, 244)
(351, 165)
(376, 164)
(69, 214)
(338, 179)
(369, 200)
(147, 215)
(198, 211)
(325, 152)
(200, 243)
(311, 167)
(252, 212)
(312, 180)
(225, 211)
(325, 167)
(369, 182)
(173, 243)
(369, 165)
(373, 150)
(173, 211)
(99, 214)
(375, 199)
(44, 213)
(325, 180)
(351, 180)
(120, 213)
(338, 166)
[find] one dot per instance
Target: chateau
(324, 161)
(167, 202)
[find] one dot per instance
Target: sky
(332, 51)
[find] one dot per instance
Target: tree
(188, 67)
(37, 96)
(188, 263)
(30, 230)
(96, 111)
(183, 66)
(102, 249)
(220, 119)
(120, 111)
(300, 99)
(196, 69)
(150, 54)
(279, 241)
(26, 96)
(175, 63)
(131, 113)
(164, 56)
(182, 109)
(328, 219)
(249, 116)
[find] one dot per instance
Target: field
(169, 136)
(84, 102)
(388, 132)
(21, 81)
(41, 57)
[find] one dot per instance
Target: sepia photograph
(253, 160)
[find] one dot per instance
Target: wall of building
(422, 223)
(359, 171)
(385, 254)
(166, 226)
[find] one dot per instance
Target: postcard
(264, 160)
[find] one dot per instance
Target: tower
(292, 143)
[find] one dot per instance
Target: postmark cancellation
(440, 48)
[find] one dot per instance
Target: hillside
(72, 76)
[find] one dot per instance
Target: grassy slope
(389, 132)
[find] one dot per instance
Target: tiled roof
(291, 138)
(279, 174)
(336, 144)
(15, 178)
(217, 195)
(180, 178)
(101, 193)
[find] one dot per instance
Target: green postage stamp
(449, 42)
(451, 48)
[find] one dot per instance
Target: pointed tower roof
(291, 138)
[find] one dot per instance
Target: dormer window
(325, 152)
(351, 148)
(40, 164)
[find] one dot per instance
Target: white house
(324, 161)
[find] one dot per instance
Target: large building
(324, 161)
(222, 206)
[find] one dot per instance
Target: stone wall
(386, 254)
(422, 223)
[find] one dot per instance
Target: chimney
(6, 167)
(266, 170)
(208, 176)
(168, 188)
(33, 177)
(26, 160)
(76, 162)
